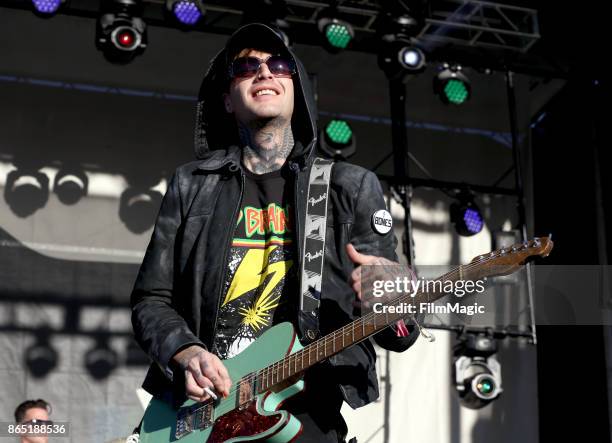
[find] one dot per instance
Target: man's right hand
(202, 370)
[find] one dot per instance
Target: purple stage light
(187, 12)
(473, 220)
(46, 6)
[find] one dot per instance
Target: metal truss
(483, 24)
(464, 22)
(471, 32)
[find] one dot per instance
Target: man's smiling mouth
(265, 92)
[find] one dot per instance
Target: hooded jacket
(176, 297)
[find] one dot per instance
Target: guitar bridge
(196, 417)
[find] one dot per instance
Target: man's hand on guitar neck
(202, 370)
(386, 270)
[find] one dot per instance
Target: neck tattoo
(267, 144)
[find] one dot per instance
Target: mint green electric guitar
(269, 371)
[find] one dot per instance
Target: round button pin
(382, 221)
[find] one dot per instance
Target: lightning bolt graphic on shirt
(253, 272)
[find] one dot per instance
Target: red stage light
(126, 39)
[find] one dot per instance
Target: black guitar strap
(313, 247)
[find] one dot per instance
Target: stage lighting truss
(121, 32)
(186, 12)
(466, 215)
(477, 372)
(338, 140)
(444, 25)
(47, 8)
(337, 33)
(452, 85)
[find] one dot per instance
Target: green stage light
(455, 91)
(339, 132)
(337, 34)
(452, 85)
(337, 139)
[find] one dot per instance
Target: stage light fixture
(121, 32)
(70, 185)
(138, 208)
(411, 58)
(452, 85)
(46, 7)
(187, 12)
(40, 357)
(101, 360)
(400, 56)
(337, 33)
(477, 372)
(338, 140)
(26, 191)
(466, 215)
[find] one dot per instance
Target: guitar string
(275, 367)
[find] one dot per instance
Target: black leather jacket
(177, 293)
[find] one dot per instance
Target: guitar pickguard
(243, 422)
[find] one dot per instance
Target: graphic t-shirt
(260, 285)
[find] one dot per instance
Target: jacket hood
(216, 129)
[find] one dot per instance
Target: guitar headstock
(507, 260)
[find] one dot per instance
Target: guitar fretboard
(348, 335)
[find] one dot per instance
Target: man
(32, 413)
(222, 268)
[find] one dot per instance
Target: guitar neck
(346, 336)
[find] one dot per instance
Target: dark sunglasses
(35, 421)
(278, 65)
